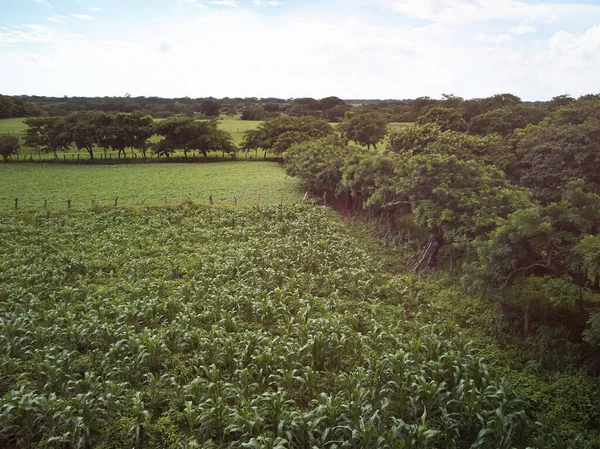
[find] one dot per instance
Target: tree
(446, 118)
(330, 102)
(86, 130)
(366, 129)
(371, 179)
(336, 113)
(552, 155)
(504, 121)
(210, 108)
(554, 248)
(318, 163)
(46, 135)
(130, 131)
(279, 133)
(429, 139)
(16, 107)
(457, 200)
(187, 134)
(9, 146)
(254, 113)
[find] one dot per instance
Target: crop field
(152, 184)
(219, 327)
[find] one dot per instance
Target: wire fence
(244, 199)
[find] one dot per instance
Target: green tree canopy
(187, 134)
(447, 119)
(279, 133)
(504, 121)
(46, 134)
(429, 139)
(319, 163)
(552, 155)
(210, 108)
(365, 129)
(9, 146)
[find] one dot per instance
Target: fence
(98, 203)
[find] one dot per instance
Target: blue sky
(292, 48)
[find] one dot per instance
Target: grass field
(227, 328)
(34, 183)
(13, 126)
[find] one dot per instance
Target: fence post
(116, 201)
(68, 204)
(45, 204)
(235, 200)
(325, 198)
(16, 203)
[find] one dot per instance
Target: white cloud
(227, 3)
(82, 16)
(96, 9)
(266, 3)
(464, 11)
(494, 39)
(56, 18)
(523, 29)
(347, 57)
(36, 34)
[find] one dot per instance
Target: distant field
(12, 126)
(33, 184)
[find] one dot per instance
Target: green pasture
(13, 126)
(154, 183)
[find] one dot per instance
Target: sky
(353, 49)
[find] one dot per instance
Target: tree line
(330, 108)
(510, 204)
(91, 131)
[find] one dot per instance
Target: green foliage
(86, 130)
(9, 146)
(46, 135)
(16, 107)
(280, 133)
(210, 108)
(429, 139)
(504, 121)
(551, 155)
(319, 163)
(457, 200)
(254, 113)
(365, 129)
(188, 134)
(130, 131)
(447, 119)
